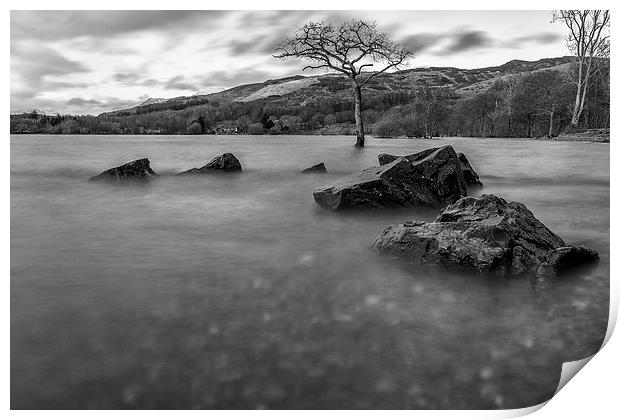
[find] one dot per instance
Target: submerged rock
(137, 170)
(471, 177)
(223, 163)
(319, 167)
(562, 258)
(432, 179)
(486, 234)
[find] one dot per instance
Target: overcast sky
(92, 61)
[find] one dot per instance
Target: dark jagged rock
(562, 258)
(319, 167)
(471, 177)
(385, 158)
(138, 170)
(486, 234)
(223, 163)
(433, 179)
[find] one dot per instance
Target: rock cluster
(140, 170)
(470, 175)
(223, 163)
(430, 178)
(137, 170)
(486, 234)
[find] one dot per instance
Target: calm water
(240, 292)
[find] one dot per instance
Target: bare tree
(508, 88)
(349, 49)
(546, 92)
(588, 40)
(548, 108)
(425, 99)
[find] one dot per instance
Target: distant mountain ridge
(150, 101)
(298, 89)
(48, 112)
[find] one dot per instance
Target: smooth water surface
(238, 291)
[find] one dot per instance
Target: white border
(593, 394)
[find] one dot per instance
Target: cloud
(35, 61)
(422, 41)
(179, 83)
(467, 41)
(134, 79)
(241, 47)
(104, 56)
(36, 69)
(274, 18)
(234, 78)
(125, 77)
(149, 82)
(541, 38)
(266, 45)
(60, 24)
(545, 38)
(81, 102)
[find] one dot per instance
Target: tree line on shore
(534, 105)
(517, 105)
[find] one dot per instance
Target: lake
(238, 291)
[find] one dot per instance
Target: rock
(138, 170)
(486, 234)
(223, 163)
(471, 177)
(385, 158)
(562, 258)
(319, 167)
(433, 179)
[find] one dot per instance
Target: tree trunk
(427, 117)
(550, 134)
(578, 107)
(359, 124)
(584, 91)
(510, 124)
(493, 120)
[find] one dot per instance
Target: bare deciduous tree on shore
(348, 48)
(588, 40)
(509, 87)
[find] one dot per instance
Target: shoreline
(562, 139)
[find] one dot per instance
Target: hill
(300, 89)
(518, 98)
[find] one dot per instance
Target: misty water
(238, 291)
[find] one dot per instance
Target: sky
(88, 62)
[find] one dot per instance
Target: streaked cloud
(81, 102)
(467, 41)
(422, 41)
(540, 38)
(92, 61)
(58, 24)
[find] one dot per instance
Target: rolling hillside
(298, 90)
